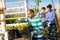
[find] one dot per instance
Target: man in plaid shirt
(36, 25)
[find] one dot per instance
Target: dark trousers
(52, 27)
(18, 34)
(12, 34)
(41, 38)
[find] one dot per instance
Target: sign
(2, 5)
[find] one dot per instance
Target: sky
(31, 3)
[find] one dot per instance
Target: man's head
(43, 10)
(30, 13)
(49, 7)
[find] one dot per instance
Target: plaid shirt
(37, 25)
(41, 15)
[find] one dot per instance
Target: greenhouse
(13, 14)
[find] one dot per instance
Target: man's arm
(40, 24)
(41, 27)
(24, 20)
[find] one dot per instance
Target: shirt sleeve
(24, 20)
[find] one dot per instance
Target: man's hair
(49, 6)
(43, 8)
(31, 10)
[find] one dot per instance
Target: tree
(34, 8)
(37, 4)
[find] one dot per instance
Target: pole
(26, 7)
(58, 16)
(53, 5)
(2, 27)
(3, 33)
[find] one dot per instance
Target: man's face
(30, 14)
(42, 11)
(48, 9)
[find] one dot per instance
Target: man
(41, 14)
(36, 25)
(50, 20)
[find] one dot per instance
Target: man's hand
(49, 24)
(43, 20)
(19, 18)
